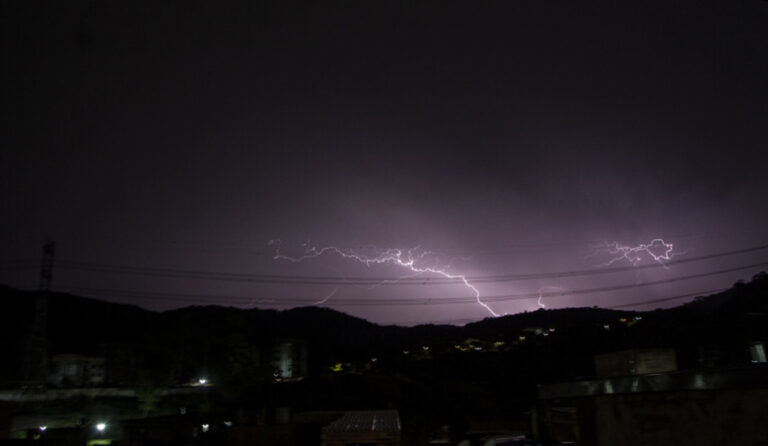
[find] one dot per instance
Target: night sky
(502, 138)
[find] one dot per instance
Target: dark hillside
(180, 344)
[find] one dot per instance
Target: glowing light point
(206, 427)
(101, 427)
(43, 428)
(202, 381)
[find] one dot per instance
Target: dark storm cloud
(139, 133)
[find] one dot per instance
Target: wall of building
(635, 362)
(695, 418)
(76, 371)
(289, 360)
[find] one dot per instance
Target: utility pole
(36, 357)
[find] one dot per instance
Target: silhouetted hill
(564, 318)
(539, 345)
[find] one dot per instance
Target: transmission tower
(36, 357)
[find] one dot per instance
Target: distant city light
(43, 428)
(202, 381)
(228, 423)
(101, 427)
(206, 427)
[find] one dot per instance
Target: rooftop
(366, 421)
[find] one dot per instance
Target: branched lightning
(658, 250)
(402, 258)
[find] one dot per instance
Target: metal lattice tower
(36, 357)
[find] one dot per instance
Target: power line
(342, 281)
(628, 305)
(139, 295)
(623, 287)
(500, 248)
(666, 299)
(633, 304)
(432, 322)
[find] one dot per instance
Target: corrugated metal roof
(366, 421)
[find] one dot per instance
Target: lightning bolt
(543, 290)
(657, 249)
(325, 299)
(402, 258)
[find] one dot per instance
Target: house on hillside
(289, 360)
(76, 371)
